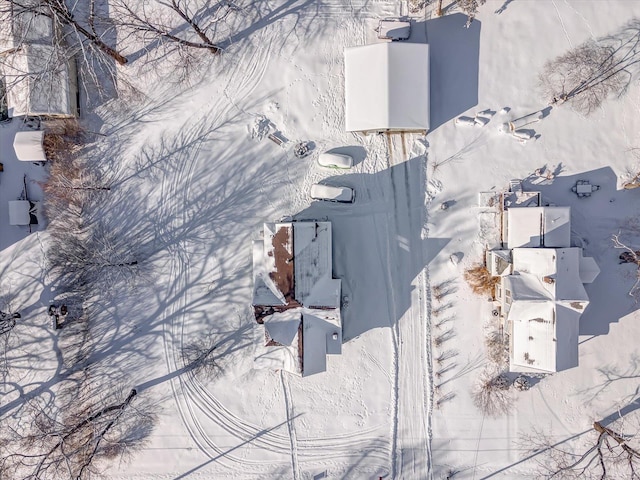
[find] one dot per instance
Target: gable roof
(547, 299)
(18, 28)
(387, 87)
(38, 81)
(538, 227)
(294, 292)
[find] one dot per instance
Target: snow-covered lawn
(194, 179)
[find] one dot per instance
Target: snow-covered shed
(295, 297)
(40, 81)
(28, 146)
(387, 87)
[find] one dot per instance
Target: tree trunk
(112, 52)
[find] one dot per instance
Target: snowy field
(194, 179)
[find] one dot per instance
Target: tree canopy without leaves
(71, 443)
(609, 452)
(165, 20)
(64, 16)
(594, 71)
(470, 7)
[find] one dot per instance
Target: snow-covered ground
(195, 180)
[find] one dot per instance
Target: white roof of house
(28, 146)
(25, 27)
(283, 328)
(319, 327)
(560, 265)
(38, 82)
(545, 336)
(313, 267)
(297, 256)
(265, 291)
(548, 298)
(539, 226)
(387, 87)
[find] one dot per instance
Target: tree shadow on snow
(378, 250)
(594, 220)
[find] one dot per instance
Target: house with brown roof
(296, 300)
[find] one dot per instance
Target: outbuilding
(28, 146)
(387, 87)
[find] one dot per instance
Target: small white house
(295, 297)
(20, 27)
(40, 81)
(541, 293)
(387, 87)
(28, 146)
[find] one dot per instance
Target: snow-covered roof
(544, 336)
(292, 273)
(319, 329)
(387, 87)
(265, 291)
(539, 226)
(560, 267)
(17, 29)
(282, 327)
(28, 146)
(39, 81)
(314, 285)
(282, 349)
(19, 212)
(547, 299)
(589, 269)
(499, 262)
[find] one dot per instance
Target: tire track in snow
(292, 431)
(411, 453)
(195, 403)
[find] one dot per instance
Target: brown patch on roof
(283, 277)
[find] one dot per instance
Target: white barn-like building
(38, 78)
(40, 81)
(541, 293)
(387, 87)
(295, 297)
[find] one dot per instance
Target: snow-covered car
(335, 160)
(332, 194)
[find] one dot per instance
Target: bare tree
(64, 16)
(7, 325)
(497, 349)
(491, 393)
(608, 453)
(98, 256)
(72, 442)
(470, 7)
(632, 257)
(593, 71)
(198, 357)
(161, 19)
